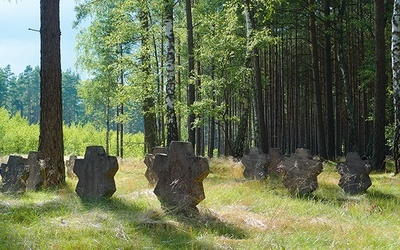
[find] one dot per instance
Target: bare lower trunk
(172, 125)
(51, 130)
(316, 81)
(343, 64)
(396, 81)
(380, 88)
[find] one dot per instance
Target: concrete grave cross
(37, 173)
(14, 174)
(354, 174)
(300, 172)
(181, 175)
(96, 173)
(151, 176)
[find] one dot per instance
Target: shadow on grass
(165, 228)
(380, 196)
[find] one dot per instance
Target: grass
(236, 214)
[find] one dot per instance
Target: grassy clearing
(236, 214)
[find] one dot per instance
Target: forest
(226, 76)
(230, 75)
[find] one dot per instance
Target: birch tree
(396, 80)
(172, 126)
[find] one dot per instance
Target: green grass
(236, 214)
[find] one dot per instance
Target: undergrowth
(236, 214)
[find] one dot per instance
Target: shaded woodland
(229, 75)
(287, 74)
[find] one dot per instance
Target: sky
(20, 47)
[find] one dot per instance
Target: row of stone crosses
(178, 174)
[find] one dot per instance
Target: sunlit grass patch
(236, 214)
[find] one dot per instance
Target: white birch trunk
(172, 127)
(396, 79)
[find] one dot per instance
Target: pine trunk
(344, 68)
(316, 81)
(191, 86)
(150, 136)
(380, 88)
(51, 131)
(260, 117)
(328, 85)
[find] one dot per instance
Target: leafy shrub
(17, 136)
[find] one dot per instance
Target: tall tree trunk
(121, 146)
(150, 136)
(51, 131)
(200, 129)
(191, 86)
(172, 126)
(120, 125)
(261, 121)
(108, 126)
(344, 68)
(211, 140)
(380, 88)
(316, 80)
(328, 85)
(160, 87)
(396, 81)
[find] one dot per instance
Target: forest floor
(236, 214)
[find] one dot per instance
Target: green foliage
(389, 135)
(17, 136)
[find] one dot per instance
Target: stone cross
(181, 175)
(37, 173)
(275, 158)
(255, 164)
(354, 174)
(151, 176)
(300, 172)
(70, 166)
(96, 174)
(14, 174)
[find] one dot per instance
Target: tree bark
(328, 85)
(380, 88)
(51, 131)
(150, 136)
(172, 126)
(395, 49)
(343, 64)
(191, 86)
(316, 80)
(261, 121)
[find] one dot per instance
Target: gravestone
(255, 164)
(354, 174)
(181, 175)
(14, 174)
(275, 159)
(151, 176)
(96, 173)
(70, 166)
(37, 173)
(300, 172)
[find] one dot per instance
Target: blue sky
(20, 47)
